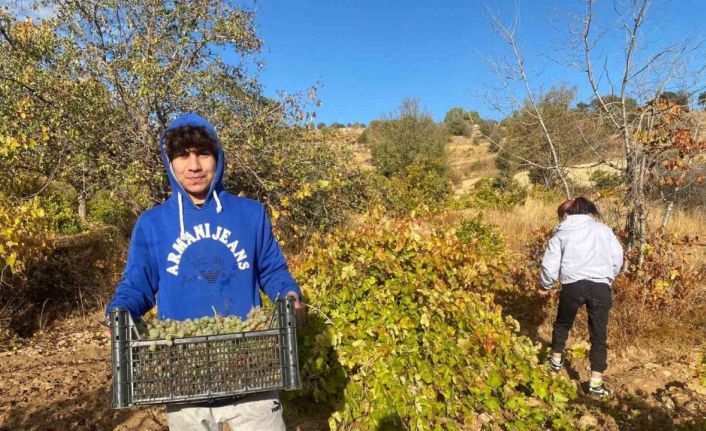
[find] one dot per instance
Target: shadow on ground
(634, 413)
(91, 411)
(302, 411)
(77, 277)
(528, 308)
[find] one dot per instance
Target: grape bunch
(257, 319)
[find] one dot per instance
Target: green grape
(169, 329)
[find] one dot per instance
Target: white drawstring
(181, 215)
(219, 207)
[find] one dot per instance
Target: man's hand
(298, 308)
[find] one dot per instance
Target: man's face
(195, 171)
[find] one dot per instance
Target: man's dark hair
(581, 205)
(179, 141)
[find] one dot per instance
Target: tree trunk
(667, 214)
(82, 207)
(82, 195)
(630, 201)
(635, 202)
(669, 208)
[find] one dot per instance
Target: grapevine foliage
(409, 337)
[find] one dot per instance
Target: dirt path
(61, 380)
(654, 388)
(660, 395)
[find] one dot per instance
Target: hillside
(472, 161)
(469, 161)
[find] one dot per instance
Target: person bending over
(585, 256)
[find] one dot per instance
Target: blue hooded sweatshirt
(194, 260)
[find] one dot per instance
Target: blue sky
(369, 55)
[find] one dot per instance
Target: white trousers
(257, 412)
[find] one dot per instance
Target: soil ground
(60, 379)
(654, 387)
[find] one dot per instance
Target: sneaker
(555, 365)
(599, 391)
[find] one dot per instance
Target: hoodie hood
(575, 221)
(178, 191)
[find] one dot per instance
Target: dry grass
(470, 162)
(517, 225)
(682, 222)
(362, 157)
(580, 174)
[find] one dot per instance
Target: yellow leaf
(11, 260)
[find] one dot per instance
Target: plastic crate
(205, 367)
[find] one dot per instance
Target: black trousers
(597, 298)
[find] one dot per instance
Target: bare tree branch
(508, 35)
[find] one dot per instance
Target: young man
(205, 249)
(585, 256)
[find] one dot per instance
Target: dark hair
(563, 207)
(579, 205)
(178, 142)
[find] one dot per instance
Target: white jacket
(581, 249)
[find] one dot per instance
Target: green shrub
(398, 143)
(606, 181)
(552, 196)
(110, 209)
(461, 123)
(406, 336)
(412, 168)
(457, 122)
(493, 193)
(63, 215)
(421, 191)
(363, 138)
(487, 239)
(58, 200)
